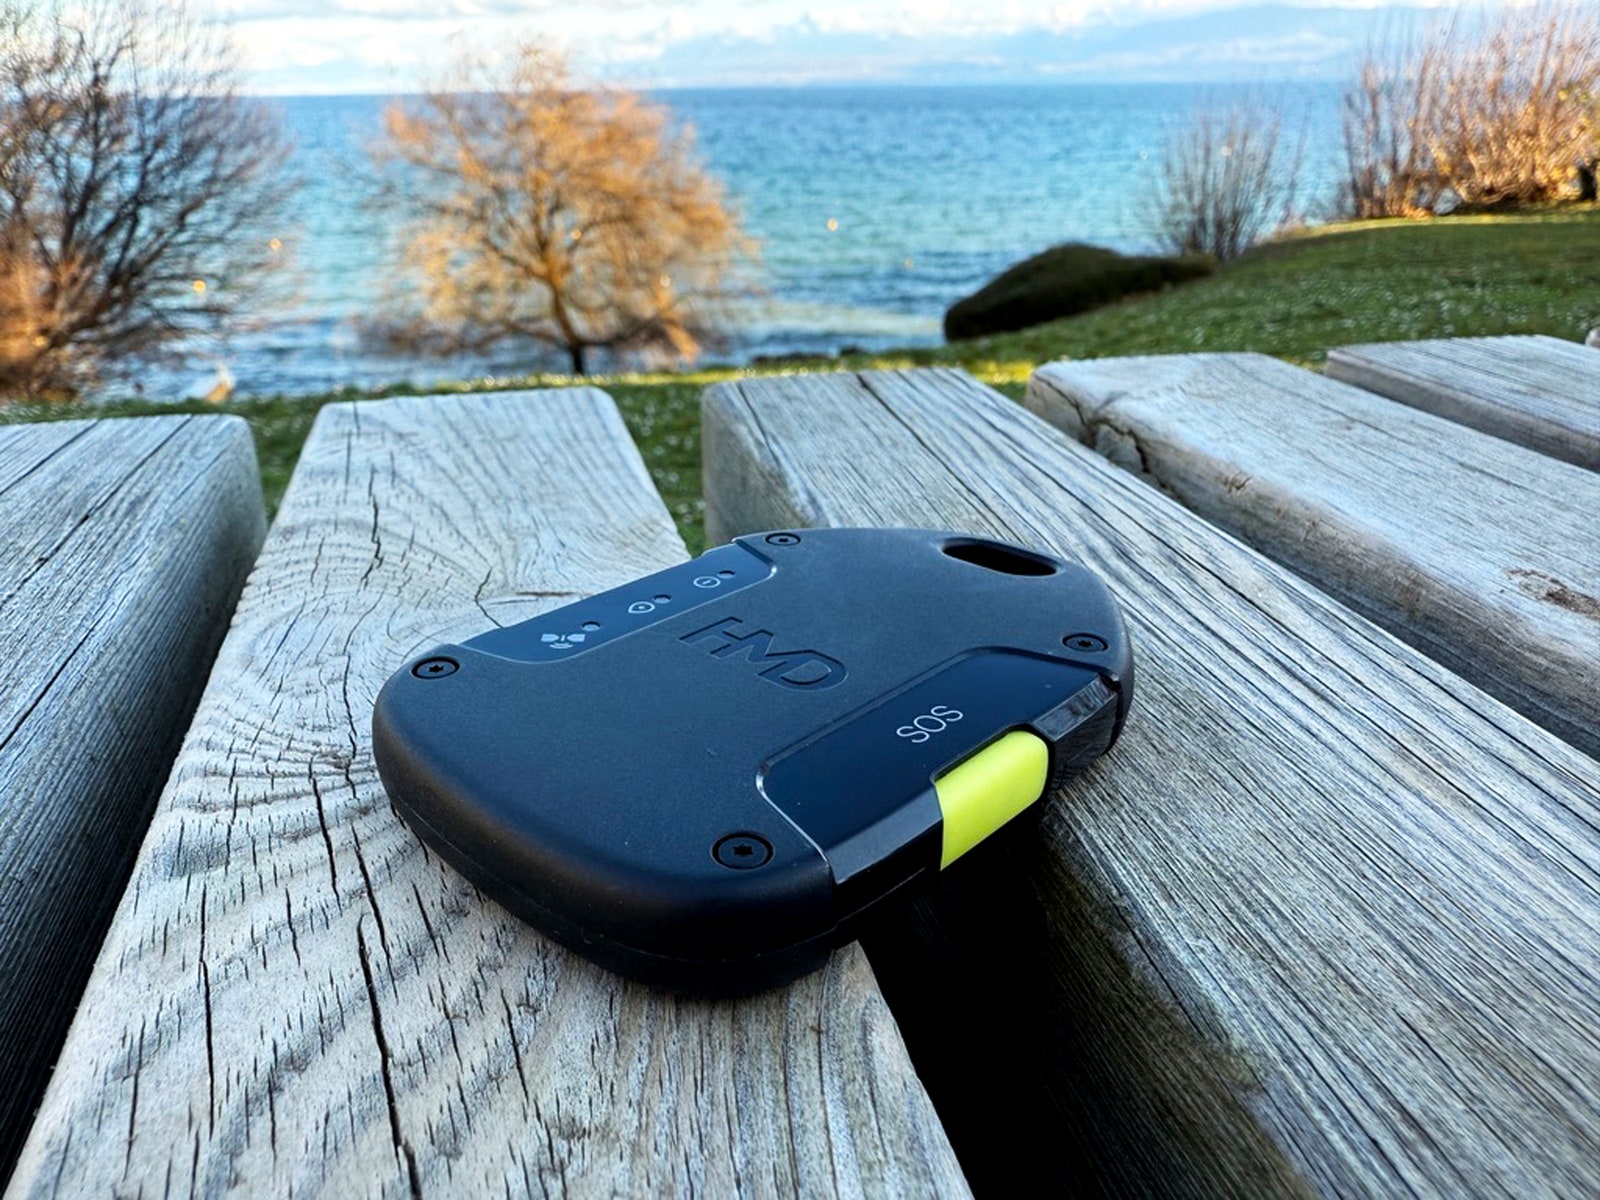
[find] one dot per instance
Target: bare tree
(1227, 179)
(133, 178)
(554, 212)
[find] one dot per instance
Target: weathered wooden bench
(1540, 392)
(123, 546)
(1326, 918)
(1481, 553)
(1323, 922)
(294, 998)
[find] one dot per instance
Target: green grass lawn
(1375, 281)
(1293, 298)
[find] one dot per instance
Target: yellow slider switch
(982, 793)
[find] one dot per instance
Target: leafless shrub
(1386, 115)
(1514, 120)
(1226, 180)
(1490, 116)
(132, 175)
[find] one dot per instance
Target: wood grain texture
(296, 999)
(1478, 552)
(123, 546)
(1326, 917)
(1540, 392)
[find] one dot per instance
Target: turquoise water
(932, 191)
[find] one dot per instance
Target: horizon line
(1034, 83)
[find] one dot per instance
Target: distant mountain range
(1276, 41)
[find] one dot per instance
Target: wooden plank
(1540, 392)
(296, 999)
(1325, 919)
(123, 546)
(1480, 553)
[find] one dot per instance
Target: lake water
(932, 192)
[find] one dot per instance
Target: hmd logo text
(805, 670)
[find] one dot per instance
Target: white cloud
(945, 18)
(369, 45)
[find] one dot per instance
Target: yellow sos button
(981, 793)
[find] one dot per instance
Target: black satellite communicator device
(704, 779)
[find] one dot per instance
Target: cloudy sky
(308, 46)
